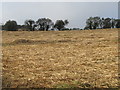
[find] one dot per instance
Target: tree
(113, 22)
(107, 23)
(10, 25)
(118, 23)
(30, 24)
(44, 24)
(89, 23)
(101, 23)
(66, 22)
(60, 24)
(96, 22)
(93, 23)
(3, 27)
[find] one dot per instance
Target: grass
(60, 59)
(73, 85)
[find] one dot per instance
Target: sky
(119, 9)
(75, 12)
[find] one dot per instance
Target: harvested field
(60, 59)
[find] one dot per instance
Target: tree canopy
(45, 24)
(60, 24)
(10, 25)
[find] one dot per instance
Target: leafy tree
(66, 22)
(101, 23)
(3, 27)
(118, 23)
(60, 24)
(89, 23)
(93, 23)
(113, 22)
(107, 23)
(10, 25)
(97, 22)
(30, 24)
(44, 24)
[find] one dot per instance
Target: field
(60, 59)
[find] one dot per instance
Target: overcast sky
(75, 12)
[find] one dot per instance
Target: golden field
(60, 59)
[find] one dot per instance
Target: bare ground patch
(68, 59)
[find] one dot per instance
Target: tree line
(42, 24)
(45, 24)
(102, 23)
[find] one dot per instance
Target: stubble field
(60, 59)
